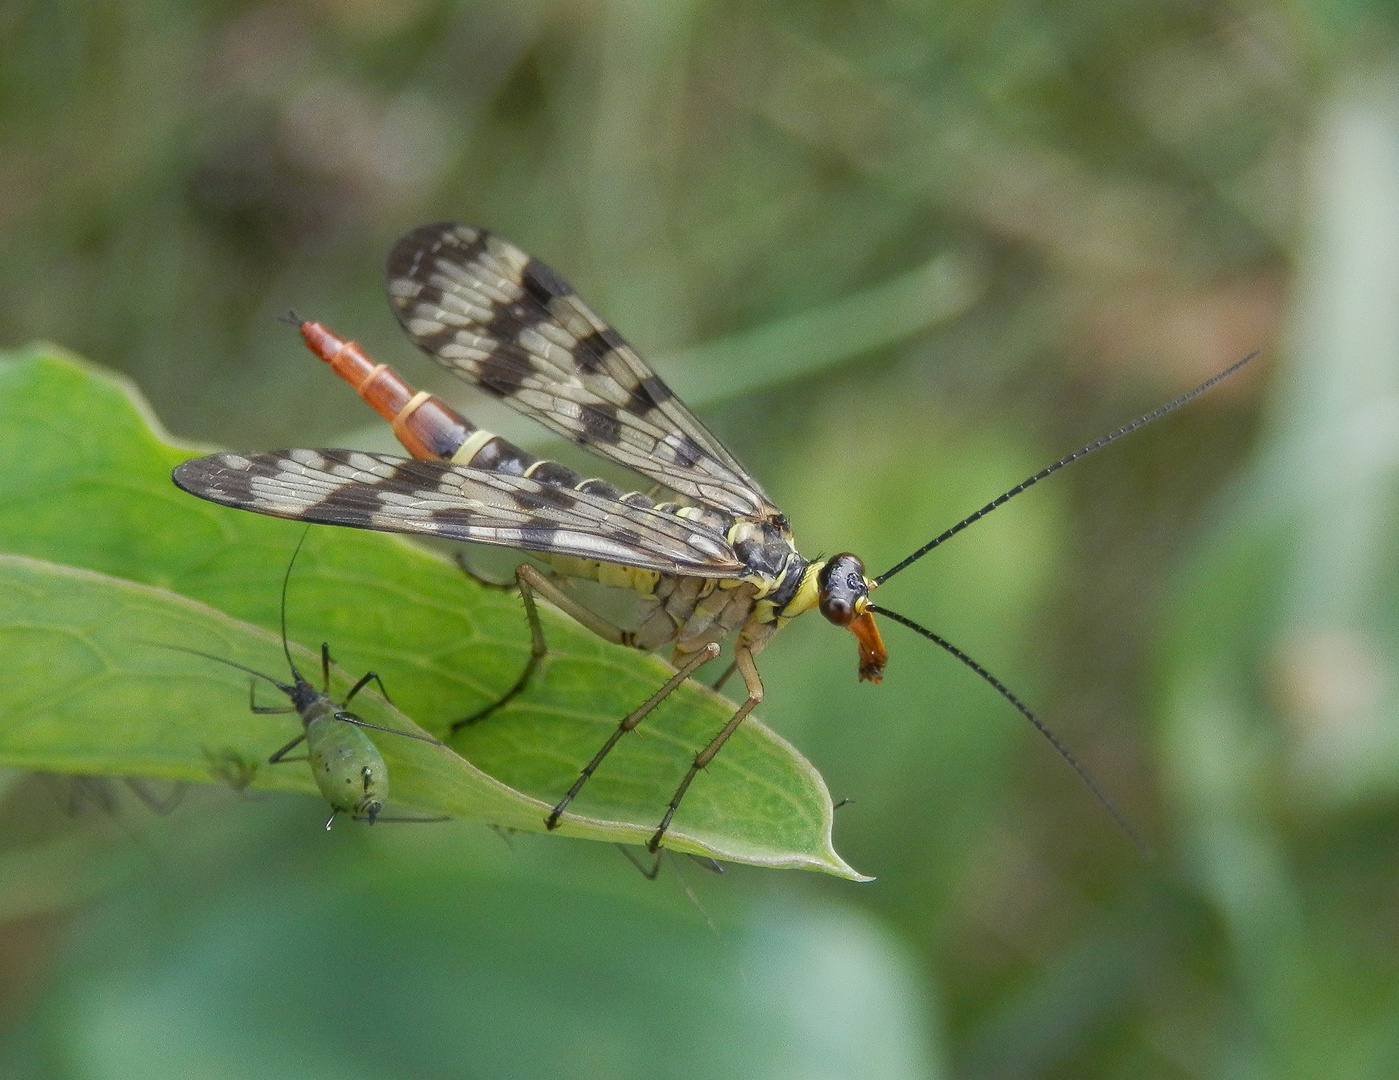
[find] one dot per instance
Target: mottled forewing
(432, 498)
(510, 324)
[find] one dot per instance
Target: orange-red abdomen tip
(428, 427)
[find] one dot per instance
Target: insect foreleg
(709, 652)
(537, 650)
(743, 660)
(264, 710)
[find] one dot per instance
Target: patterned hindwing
(433, 498)
(510, 324)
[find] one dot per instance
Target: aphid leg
(369, 677)
(709, 652)
(743, 659)
(281, 755)
(538, 648)
(264, 710)
(330, 820)
(325, 671)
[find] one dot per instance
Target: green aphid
(345, 763)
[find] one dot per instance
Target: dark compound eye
(842, 585)
(837, 610)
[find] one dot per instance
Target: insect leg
(709, 652)
(369, 677)
(486, 583)
(530, 578)
(743, 659)
(538, 647)
(650, 873)
(728, 674)
(264, 710)
(281, 754)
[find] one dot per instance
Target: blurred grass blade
(810, 341)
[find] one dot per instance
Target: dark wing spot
(509, 321)
(589, 351)
(600, 423)
(543, 282)
(504, 370)
(687, 452)
(657, 391)
(413, 253)
(435, 342)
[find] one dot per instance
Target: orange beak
(872, 653)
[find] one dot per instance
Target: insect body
(717, 562)
(345, 763)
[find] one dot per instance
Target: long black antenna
(1040, 726)
(285, 579)
(1096, 444)
(283, 687)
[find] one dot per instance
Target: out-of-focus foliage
(903, 254)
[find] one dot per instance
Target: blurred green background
(899, 255)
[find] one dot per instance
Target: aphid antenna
(286, 579)
(1082, 452)
(283, 687)
(1060, 748)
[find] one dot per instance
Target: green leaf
(87, 485)
(99, 682)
